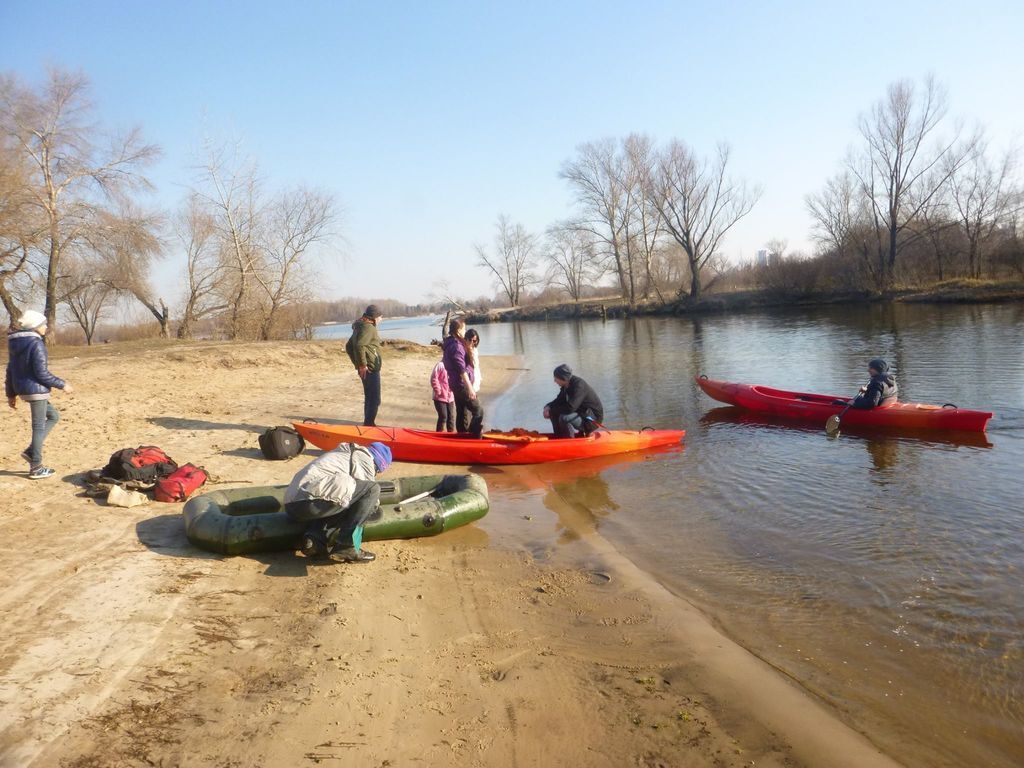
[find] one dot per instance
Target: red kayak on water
(518, 447)
(809, 407)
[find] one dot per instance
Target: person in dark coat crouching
(881, 390)
(576, 407)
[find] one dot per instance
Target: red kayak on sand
(420, 445)
(808, 407)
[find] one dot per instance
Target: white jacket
(478, 374)
(332, 476)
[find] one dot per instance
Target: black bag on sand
(279, 443)
(145, 464)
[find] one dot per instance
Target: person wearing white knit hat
(29, 378)
(30, 320)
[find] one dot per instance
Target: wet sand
(123, 645)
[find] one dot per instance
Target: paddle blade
(832, 425)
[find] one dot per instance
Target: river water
(884, 572)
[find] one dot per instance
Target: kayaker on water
(576, 407)
(469, 414)
(335, 494)
(881, 390)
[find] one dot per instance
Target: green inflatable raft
(240, 521)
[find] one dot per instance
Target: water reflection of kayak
(538, 477)
(736, 415)
(818, 408)
(419, 445)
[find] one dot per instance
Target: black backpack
(145, 464)
(279, 443)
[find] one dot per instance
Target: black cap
(373, 312)
(878, 364)
(563, 372)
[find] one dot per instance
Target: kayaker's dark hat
(563, 372)
(878, 364)
(372, 312)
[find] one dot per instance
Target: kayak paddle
(832, 425)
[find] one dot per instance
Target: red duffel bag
(180, 484)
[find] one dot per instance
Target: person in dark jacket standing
(469, 414)
(29, 378)
(363, 349)
(881, 390)
(576, 407)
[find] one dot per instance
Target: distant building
(762, 257)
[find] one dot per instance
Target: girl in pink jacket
(444, 400)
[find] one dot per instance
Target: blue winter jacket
(27, 368)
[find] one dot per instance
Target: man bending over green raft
(335, 494)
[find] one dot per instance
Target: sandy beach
(124, 645)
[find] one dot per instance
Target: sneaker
(26, 455)
(41, 472)
(353, 555)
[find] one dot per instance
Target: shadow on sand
(169, 422)
(165, 535)
(245, 453)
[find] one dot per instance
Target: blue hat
(381, 456)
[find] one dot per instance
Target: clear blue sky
(429, 119)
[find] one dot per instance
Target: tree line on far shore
(916, 200)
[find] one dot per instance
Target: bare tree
(514, 258)
(20, 225)
(896, 169)
(85, 293)
(194, 228)
(230, 188)
(298, 221)
(937, 225)
(597, 176)
(844, 221)
(75, 167)
(127, 243)
(984, 198)
(835, 211)
(643, 225)
(777, 247)
(699, 203)
(573, 263)
(442, 293)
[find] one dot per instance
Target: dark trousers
(445, 416)
(564, 428)
(371, 398)
(44, 418)
(336, 524)
(469, 414)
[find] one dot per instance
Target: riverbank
(123, 645)
(947, 292)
